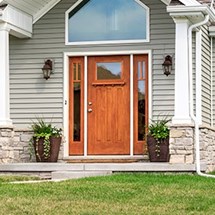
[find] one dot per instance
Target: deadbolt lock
(90, 110)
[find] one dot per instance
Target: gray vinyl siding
(213, 83)
(206, 77)
(33, 96)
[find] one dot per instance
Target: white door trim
(85, 105)
(131, 105)
(66, 93)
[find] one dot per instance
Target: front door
(109, 105)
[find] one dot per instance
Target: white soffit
(166, 1)
(35, 8)
(190, 2)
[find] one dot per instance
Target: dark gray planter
(54, 150)
(163, 156)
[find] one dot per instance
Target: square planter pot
(54, 149)
(163, 155)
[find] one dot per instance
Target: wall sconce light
(167, 65)
(47, 69)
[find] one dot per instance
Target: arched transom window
(107, 21)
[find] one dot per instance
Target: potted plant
(46, 141)
(158, 141)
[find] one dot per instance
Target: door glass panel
(141, 70)
(77, 112)
(79, 72)
(74, 71)
(141, 110)
(144, 69)
(109, 71)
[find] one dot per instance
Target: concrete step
(114, 167)
(108, 159)
(61, 175)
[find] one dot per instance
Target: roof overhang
(35, 8)
(185, 2)
(190, 2)
(44, 10)
(19, 22)
(167, 2)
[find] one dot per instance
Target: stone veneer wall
(207, 147)
(14, 145)
(6, 144)
(15, 148)
(182, 145)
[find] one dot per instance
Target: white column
(181, 114)
(4, 76)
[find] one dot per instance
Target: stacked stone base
(6, 144)
(182, 149)
(15, 147)
(181, 144)
(207, 147)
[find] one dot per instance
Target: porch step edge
(114, 167)
(40, 167)
(144, 167)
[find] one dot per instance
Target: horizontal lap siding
(32, 96)
(213, 81)
(206, 77)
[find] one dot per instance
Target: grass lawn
(11, 178)
(116, 194)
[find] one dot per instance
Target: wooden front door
(109, 105)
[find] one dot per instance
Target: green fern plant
(159, 129)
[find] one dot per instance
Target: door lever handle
(90, 110)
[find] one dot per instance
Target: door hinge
(65, 102)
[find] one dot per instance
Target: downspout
(193, 117)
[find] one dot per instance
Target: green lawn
(11, 178)
(117, 194)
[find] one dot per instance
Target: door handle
(90, 110)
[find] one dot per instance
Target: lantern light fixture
(167, 65)
(47, 69)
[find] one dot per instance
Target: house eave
(19, 22)
(194, 13)
(190, 2)
(44, 10)
(166, 2)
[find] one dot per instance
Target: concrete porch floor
(78, 170)
(114, 167)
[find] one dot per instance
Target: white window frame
(107, 41)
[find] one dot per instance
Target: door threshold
(106, 159)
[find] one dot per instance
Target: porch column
(181, 113)
(4, 76)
